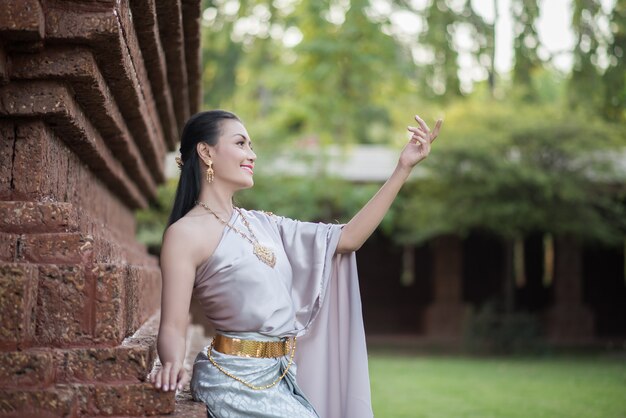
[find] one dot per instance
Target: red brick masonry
(92, 96)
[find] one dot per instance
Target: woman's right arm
(178, 273)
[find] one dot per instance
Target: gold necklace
(263, 253)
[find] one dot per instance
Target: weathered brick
(57, 248)
(146, 335)
(54, 103)
(109, 302)
(64, 314)
(137, 57)
(137, 399)
(82, 188)
(42, 172)
(18, 293)
(4, 70)
(21, 20)
(7, 142)
(126, 363)
(29, 368)
(143, 291)
(100, 29)
(17, 216)
(186, 407)
(38, 403)
(78, 66)
(33, 166)
(171, 32)
(8, 246)
(146, 27)
(193, 53)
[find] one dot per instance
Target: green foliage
(526, 43)
(615, 76)
(316, 198)
(513, 171)
(490, 330)
(151, 222)
(531, 157)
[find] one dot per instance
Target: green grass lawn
(553, 386)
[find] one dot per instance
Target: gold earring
(210, 171)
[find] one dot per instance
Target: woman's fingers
(174, 372)
(170, 377)
(165, 376)
(157, 379)
(423, 131)
(183, 378)
(435, 132)
(422, 123)
(415, 139)
(417, 131)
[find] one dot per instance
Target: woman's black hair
(201, 127)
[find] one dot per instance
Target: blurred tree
(513, 171)
(326, 71)
(615, 76)
(349, 72)
(586, 89)
(525, 44)
(441, 76)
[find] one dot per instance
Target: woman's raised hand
(418, 147)
(170, 376)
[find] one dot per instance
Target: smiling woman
(265, 282)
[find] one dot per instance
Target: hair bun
(179, 162)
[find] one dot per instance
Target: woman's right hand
(171, 376)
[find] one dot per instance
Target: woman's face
(233, 157)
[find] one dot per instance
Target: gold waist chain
(252, 349)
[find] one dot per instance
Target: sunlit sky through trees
(553, 26)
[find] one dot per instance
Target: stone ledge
(169, 14)
(54, 103)
(186, 406)
(74, 306)
(98, 26)
(77, 66)
(193, 54)
(41, 167)
(21, 217)
(49, 403)
(27, 368)
(21, 20)
(4, 68)
(49, 217)
(146, 27)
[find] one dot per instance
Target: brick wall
(92, 96)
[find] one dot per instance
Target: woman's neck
(218, 199)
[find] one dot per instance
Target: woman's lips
(248, 168)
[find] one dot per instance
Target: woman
(279, 292)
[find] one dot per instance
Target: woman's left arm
(361, 226)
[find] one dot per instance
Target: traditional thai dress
(310, 293)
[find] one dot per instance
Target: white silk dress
(310, 293)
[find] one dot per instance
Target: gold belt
(255, 349)
(252, 348)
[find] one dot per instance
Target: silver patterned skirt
(226, 397)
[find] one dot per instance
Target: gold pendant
(265, 254)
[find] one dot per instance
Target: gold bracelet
(250, 385)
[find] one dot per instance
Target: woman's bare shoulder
(196, 236)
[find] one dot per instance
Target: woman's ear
(204, 150)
